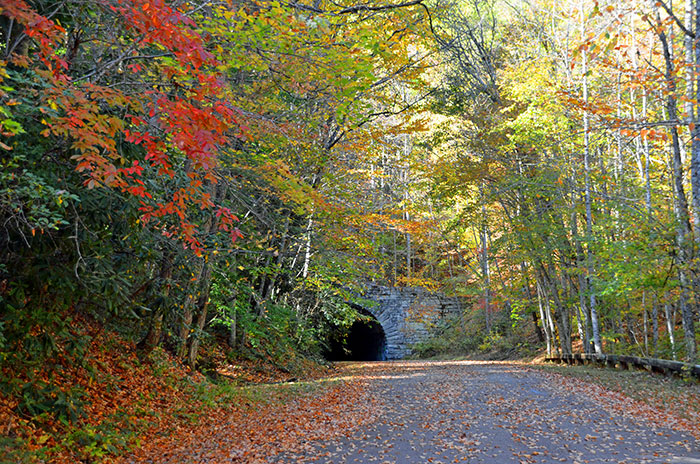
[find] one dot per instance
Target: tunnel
(365, 341)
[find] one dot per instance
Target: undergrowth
(466, 337)
(114, 401)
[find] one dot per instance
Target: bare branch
(675, 19)
(356, 8)
(391, 6)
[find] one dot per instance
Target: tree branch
(356, 8)
(391, 6)
(675, 19)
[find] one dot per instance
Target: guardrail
(661, 366)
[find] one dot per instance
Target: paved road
(452, 412)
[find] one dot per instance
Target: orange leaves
(654, 134)
(43, 30)
(249, 430)
(159, 24)
(115, 383)
(646, 133)
(186, 116)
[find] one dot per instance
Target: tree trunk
(528, 292)
(580, 257)
(232, 335)
(485, 271)
(188, 310)
(202, 309)
(541, 297)
(561, 313)
(307, 247)
(683, 230)
(587, 193)
(645, 322)
(670, 326)
(655, 327)
(693, 57)
(155, 329)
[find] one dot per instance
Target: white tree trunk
(587, 189)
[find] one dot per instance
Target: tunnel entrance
(365, 341)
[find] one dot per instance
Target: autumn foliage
(225, 177)
(177, 173)
(194, 122)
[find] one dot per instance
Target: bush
(465, 336)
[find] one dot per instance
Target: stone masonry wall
(408, 315)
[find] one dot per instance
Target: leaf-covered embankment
(118, 402)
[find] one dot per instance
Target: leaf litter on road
(433, 412)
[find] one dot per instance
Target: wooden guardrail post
(660, 366)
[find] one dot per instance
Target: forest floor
(391, 412)
(441, 412)
(117, 400)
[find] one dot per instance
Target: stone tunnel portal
(365, 341)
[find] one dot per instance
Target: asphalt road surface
(462, 412)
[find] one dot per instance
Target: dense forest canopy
(181, 170)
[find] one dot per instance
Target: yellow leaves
(290, 187)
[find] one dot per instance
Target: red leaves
(188, 118)
(43, 30)
(226, 221)
(159, 24)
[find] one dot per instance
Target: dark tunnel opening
(365, 341)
